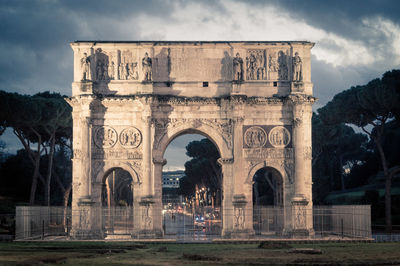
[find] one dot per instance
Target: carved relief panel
(267, 136)
(130, 137)
(101, 66)
(117, 143)
(127, 68)
(255, 65)
(105, 137)
(278, 64)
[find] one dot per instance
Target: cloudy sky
(356, 41)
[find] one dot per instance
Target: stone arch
(110, 166)
(274, 174)
(205, 130)
(272, 164)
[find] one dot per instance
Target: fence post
(42, 229)
(67, 224)
(341, 225)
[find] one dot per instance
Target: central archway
(199, 211)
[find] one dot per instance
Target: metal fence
(40, 222)
(343, 220)
(268, 220)
(185, 224)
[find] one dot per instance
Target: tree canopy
(370, 107)
(203, 170)
(42, 121)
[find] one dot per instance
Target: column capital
(222, 161)
(161, 161)
(300, 99)
(146, 119)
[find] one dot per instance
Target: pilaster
(301, 203)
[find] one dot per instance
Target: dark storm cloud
(342, 17)
(329, 80)
(351, 20)
(35, 37)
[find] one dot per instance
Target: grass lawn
(118, 253)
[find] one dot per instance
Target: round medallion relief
(105, 137)
(279, 137)
(130, 137)
(255, 137)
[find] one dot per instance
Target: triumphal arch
(251, 99)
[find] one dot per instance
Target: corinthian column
(302, 196)
(298, 144)
(148, 178)
(86, 158)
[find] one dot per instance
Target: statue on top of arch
(147, 67)
(297, 68)
(85, 66)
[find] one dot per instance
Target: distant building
(171, 179)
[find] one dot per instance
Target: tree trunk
(66, 199)
(49, 168)
(388, 186)
(34, 180)
(35, 175)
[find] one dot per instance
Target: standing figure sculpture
(297, 68)
(147, 65)
(111, 68)
(122, 69)
(251, 67)
(260, 66)
(85, 66)
(237, 68)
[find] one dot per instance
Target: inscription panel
(116, 154)
(268, 153)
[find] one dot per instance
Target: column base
(238, 234)
(300, 233)
(82, 87)
(301, 213)
(297, 87)
(299, 199)
(148, 234)
(82, 234)
(88, 221)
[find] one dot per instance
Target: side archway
(108, 167)
(272, 164)
(268, 201)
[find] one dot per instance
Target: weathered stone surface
(252, 99)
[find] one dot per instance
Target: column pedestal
(89, 224)
(301, 211)
(146, 226)
(240, 230)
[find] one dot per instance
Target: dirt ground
(120, 253)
